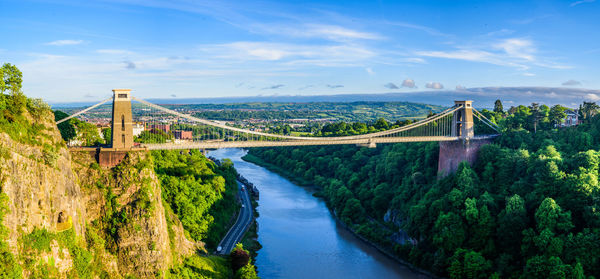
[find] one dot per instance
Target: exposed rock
(142, 242)
(117, 214)
(39, 192)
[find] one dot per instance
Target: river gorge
(299, 236)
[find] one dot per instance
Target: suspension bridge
(147, 126)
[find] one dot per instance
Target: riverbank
(300, 181)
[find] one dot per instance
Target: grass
(202, 267)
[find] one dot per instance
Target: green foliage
(239, 257)
(528, 208)
(87, 133)
(16, 123)
(9, 267)
(196, 267)
(153, 136)
(199, 192)
(11, 78)
(246, 272)
(343, 111)
(468, 264)
(39, 240)
(107, 135)
(67, 129)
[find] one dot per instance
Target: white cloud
(311, 30)
(391, 85)
(470, 55)
(64, 42)
(581, 2)
(592, 97)
(114, 51)
(369, 71)
(434, 85)
(571, 82)
(515, 52)
(529, 74)
(414, 60)
(290, 54)
(337, 33)
(410, 83)
(518, 48)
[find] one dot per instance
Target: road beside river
(244, 219)
(300, 238)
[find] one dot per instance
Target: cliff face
(68, 217)
(41, 187)
(125, 206)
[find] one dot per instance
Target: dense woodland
(529, 207)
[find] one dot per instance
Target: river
(299, 236)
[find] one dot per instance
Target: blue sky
(79, 50)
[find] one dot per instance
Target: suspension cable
(83, 111)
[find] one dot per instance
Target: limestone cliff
(41, 187)
(68, 217)
(125, 204)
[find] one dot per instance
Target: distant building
(138, 128)
(163, 127)
(572, 118)
(183, 135)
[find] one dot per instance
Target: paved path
(244, 219)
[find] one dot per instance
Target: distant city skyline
(71, 51)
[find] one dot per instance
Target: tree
(468, 264)
(588, 110)
(353, 211)
(535, 115)
(498, 108)
(67, 129)
(87, 133)
(246, 272)
(557, 114)
(550, 216)
(12, 78)
(107, 135)
(239, 257)
(448, 232)
(381, 124)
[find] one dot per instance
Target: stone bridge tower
(122, 129)
(452, 153)
(462, 120)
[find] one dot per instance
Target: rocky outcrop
(399, 236)
(41, 187)
(113, 215)
(146, 239)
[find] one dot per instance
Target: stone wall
(452, 153)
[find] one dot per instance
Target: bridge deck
(317, 141)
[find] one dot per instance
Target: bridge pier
(452, 153)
